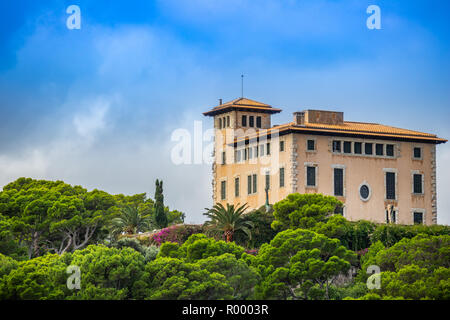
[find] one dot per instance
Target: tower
(233, 119)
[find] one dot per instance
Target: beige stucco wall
(358, 169)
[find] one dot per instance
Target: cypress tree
(160, 215)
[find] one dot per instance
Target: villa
(380, 173)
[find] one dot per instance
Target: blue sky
(97, 106)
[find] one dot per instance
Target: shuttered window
(358, 147)
(417, 153)
(223, 190)
(249, 185)
(390, 150)
(417, 183)
(418, 218)
(311, 176)
(281, 145)
(379, 149)
(390, 185)
(267, 180)
(336, 146)
(368, 148)
(338, 182)
(258, 122)
(347, 147)
(251, 121)
(244, 121)
(281, 177)
(311, 145)
(236, 187)
(255, 184)
(268, 148)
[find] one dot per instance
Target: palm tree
(130, 221)
(228, 220)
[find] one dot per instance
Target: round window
(364, 192)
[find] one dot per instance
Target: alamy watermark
(374, 20)
(74, 20)
(74, 280)
(226, 146)
(374, 281)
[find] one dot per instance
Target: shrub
(390, 234)
(261, 231)
(303, 210)
(176, 233)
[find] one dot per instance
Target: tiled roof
(241, 104)
(351, 128)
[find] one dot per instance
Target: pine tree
(160, 215)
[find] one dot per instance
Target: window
(417, 153)
(338, 182)
(223, 190)
(249, 184)
(245, 154)
(336, 146)
(390, 185)
(339, 210)
(236, 187)
(223, 157)
(347, 147)
(261, 150)
(244, 121)
(418, 217)
(281, 146)
(255, 151)
(228, 121)
(238, 156)
(250, 153)
(311, 145)
(379, 149)
(268, 148)
(255, 184)
(417, 183)
(267, 180)
(220, 123)
(258, 122)
(364, 192)
(357, 147)
(281, 177)
(368, 148)
(390, 150)
(310, 176)
(391, 216)
(251, 121)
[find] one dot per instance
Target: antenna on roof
(242, 85)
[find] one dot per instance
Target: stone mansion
(380, 173)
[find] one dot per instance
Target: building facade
(380, 173)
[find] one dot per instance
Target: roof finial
(242, 85)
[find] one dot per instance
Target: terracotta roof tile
(354, 128)
(241, 103)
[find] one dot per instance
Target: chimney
(318, 116)
(220, 102)
(299, 118)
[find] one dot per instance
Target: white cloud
(87, 124)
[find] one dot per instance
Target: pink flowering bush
(175, 233)
(253, 252)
